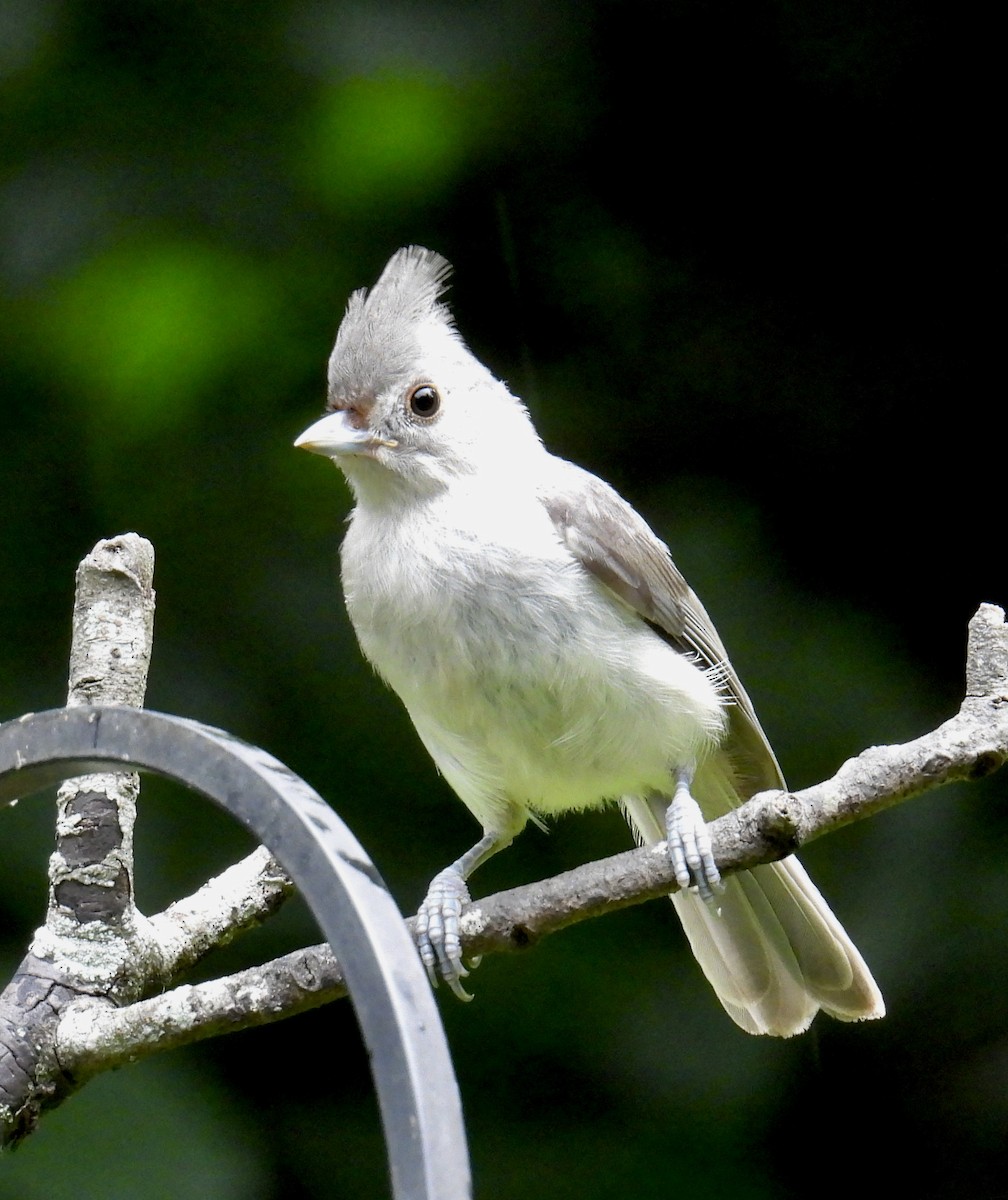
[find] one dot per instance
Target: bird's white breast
(531, 685)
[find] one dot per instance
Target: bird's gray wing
(613, 542)
(773, 951)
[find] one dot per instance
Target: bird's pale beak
(333, 435)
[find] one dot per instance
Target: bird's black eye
(424, 401)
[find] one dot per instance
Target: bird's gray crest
(377, 340)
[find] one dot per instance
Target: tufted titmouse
(550, 654)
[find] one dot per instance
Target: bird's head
(409, 406)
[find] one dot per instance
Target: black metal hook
(417, 1091)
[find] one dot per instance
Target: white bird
(550, 654)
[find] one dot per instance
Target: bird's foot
(437, 931)
(689, 843)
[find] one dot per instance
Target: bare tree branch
(92, 936)
(94, 1038)
(75, 1007)
(92, 926)
(970, 745)
(240, 898)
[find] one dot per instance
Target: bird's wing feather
(617, 546)
(773, 951)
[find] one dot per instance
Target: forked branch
(970, 745)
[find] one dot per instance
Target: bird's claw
(437, 931)
(689, 845)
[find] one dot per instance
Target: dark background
(745, 261)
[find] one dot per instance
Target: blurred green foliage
(140, 335)
(737, 260)
(381, 139)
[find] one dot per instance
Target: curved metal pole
(417, 1091)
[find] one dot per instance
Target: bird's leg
(437, 931)
(689, 843)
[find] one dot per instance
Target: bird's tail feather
(770, 946)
